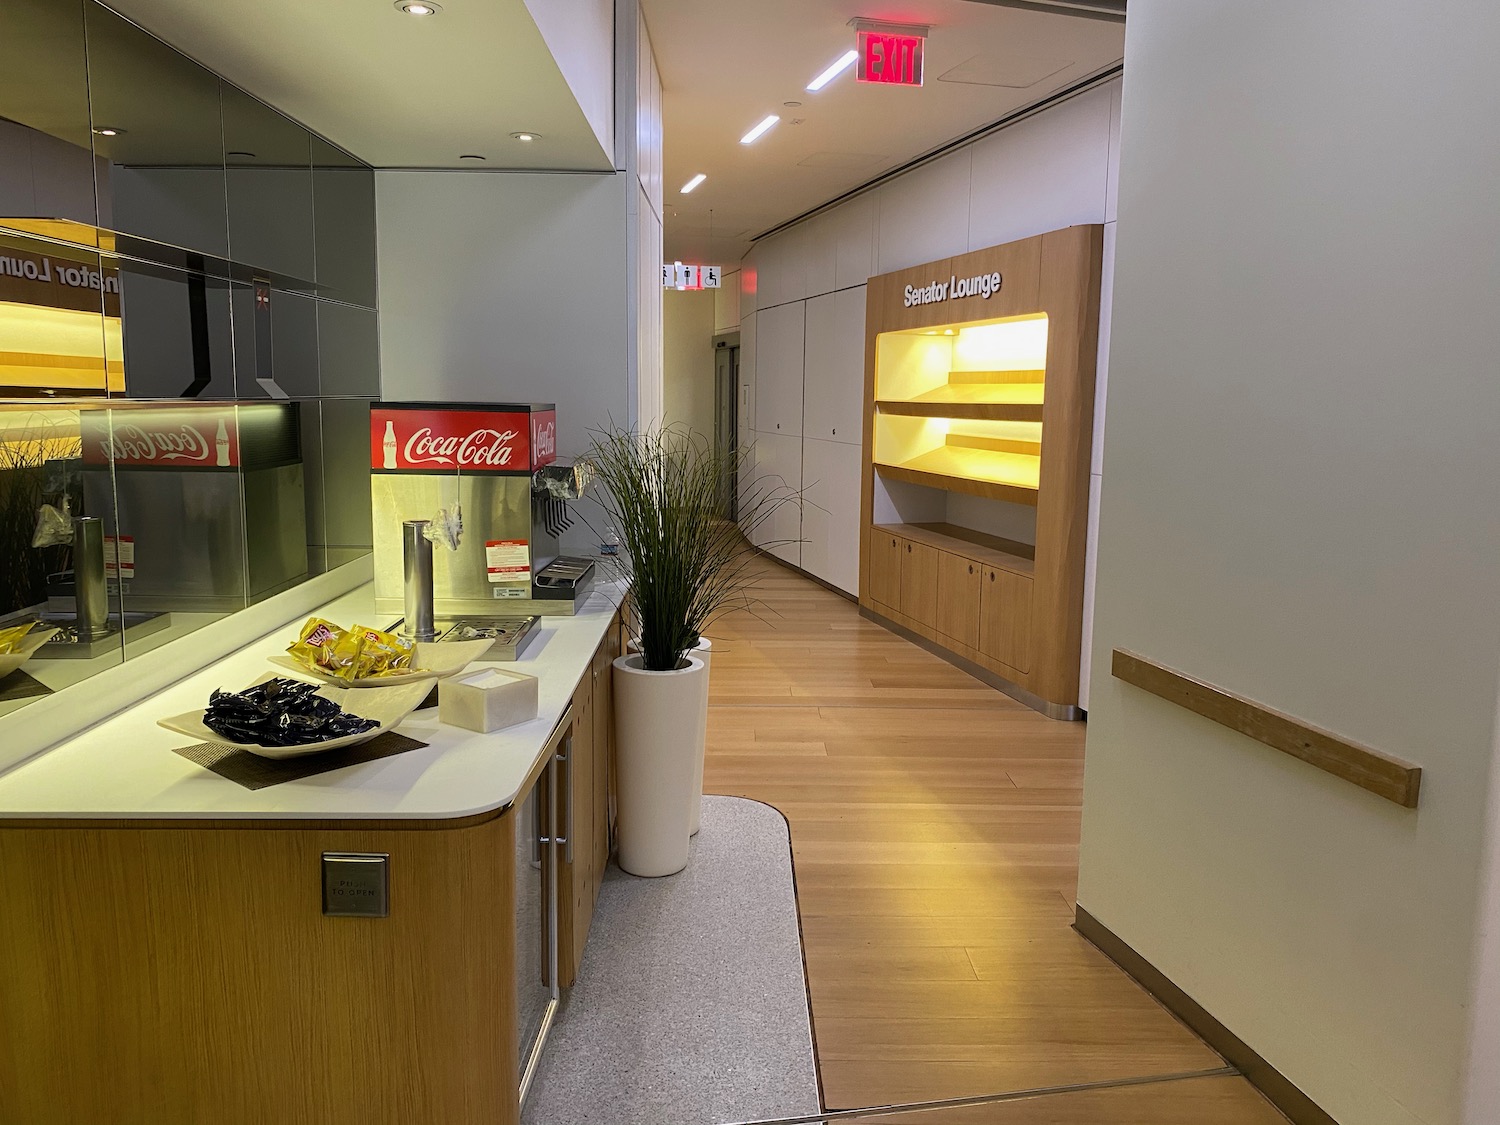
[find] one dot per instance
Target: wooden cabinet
(919, 580)
(885, 568)
(1005, 618)
(584, 816)
(958, 594)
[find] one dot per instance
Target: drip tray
(509, 635)
(70, 645)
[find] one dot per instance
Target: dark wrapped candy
(280, 712)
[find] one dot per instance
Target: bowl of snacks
(283, 718)
(19, 643)
(363, 657)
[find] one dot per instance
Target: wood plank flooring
(934, 826)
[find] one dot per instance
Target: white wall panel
(779, 463)
(1042, 174)
(778, 369)
(835, 371)
(792, 263)
(830, 522)
(925, 215)
(768, 274)
(821, 255)
(854, 237)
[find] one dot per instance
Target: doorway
(726, 419)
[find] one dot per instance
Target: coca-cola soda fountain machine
(425, 458)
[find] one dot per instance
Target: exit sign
(892, 58)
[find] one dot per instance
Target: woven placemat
(21, 685)
(254, 772)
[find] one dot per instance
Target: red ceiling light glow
(889, 54)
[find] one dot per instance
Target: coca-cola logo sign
(543, 438)
(162, 439)
(477, 441)
(479, 449)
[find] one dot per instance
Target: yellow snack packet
(347, 658)
(314, 647)
(12, 636)
(388, 654)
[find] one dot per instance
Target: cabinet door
(604, 745)
(919, 581)
(1005, 618)
(885, 568)
(958, 599)
(778, 370)
(577, 885)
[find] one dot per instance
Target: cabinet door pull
(908, 548)
(992, 576)
(971, 568)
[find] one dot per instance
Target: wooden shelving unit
(988, 397)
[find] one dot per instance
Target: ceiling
(401, 91)
(726, 64)
(395, 90)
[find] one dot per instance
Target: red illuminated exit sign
(891, 56)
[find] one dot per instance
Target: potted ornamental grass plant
(685, 564)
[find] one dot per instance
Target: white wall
(1299, 504)
(688, 360)
(803, 294)
(581, 36)
(474, 306)
(643, 168)
(727, 302)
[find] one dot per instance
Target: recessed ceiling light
(524, 136)
(472, 156)
(108, 131)
(756, 133)
(418, 7)
(845, 61)
(694, 182)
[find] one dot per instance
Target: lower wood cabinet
(885, 568)
(1005, 617)
(958, 593)
(919, 580)
(585, 821)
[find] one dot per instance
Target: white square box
(487, 699)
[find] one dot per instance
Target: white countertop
(124, 767)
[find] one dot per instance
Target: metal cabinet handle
(565, 759)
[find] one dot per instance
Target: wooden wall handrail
(1381, 774)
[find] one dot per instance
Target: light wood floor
(934, 826)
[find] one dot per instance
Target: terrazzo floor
(691, 1007)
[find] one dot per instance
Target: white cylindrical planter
(658, 716)
(704, 652)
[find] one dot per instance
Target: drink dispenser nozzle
(416, 553)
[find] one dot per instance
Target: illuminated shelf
(977, 409)
(998, 474)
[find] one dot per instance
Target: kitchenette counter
(124, 768)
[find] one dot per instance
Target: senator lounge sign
(984, 286)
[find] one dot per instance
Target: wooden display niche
(989, 396)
